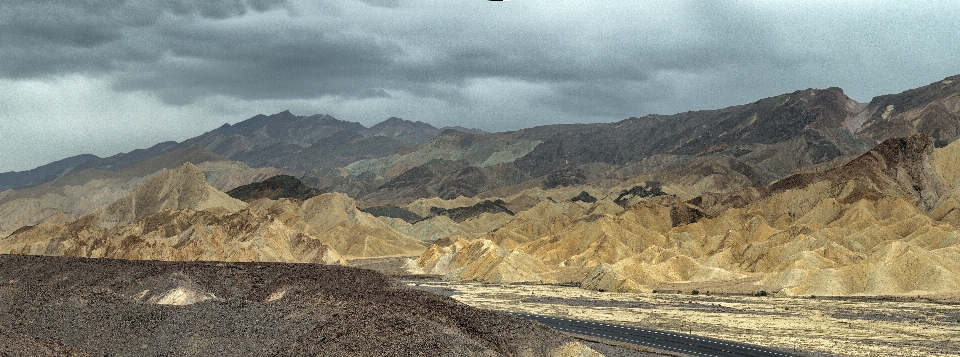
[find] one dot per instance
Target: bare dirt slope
(76, 306)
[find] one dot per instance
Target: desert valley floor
(806, 325)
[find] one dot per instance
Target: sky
(104, 77)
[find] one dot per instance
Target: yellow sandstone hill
(479, 260)
(177, 215)
(883, 224)
(82, 192)
(334, 219)
(182, 188)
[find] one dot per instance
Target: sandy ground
(902, 326)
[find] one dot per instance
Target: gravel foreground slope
(58, 306)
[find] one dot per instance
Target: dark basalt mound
(584, 197)
(99, 307)
(460, 214)
(393, 212)
(638, 192)
(564, 177)
(277, 187)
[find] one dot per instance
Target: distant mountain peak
(411, 132)
(452, 131)
(394, 121)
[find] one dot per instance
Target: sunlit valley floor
(895, 326)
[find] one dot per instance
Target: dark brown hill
(447, 179)
(933, 110)
(898, 166)
(115, 307)
(274, 188)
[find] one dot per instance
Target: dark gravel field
(57, 306)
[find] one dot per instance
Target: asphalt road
(664, 340)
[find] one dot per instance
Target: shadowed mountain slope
(724, 149)
(899, 166)
(740, 129)
(75, 194)
(46, 173)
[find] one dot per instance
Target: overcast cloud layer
(103, 77)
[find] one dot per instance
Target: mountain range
(808, 192)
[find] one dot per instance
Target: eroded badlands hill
(177, 215)
(885, 223)
(75, 194)
(68, 306)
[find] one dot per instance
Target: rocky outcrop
(627, 197)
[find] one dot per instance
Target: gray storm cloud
(493, 65)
